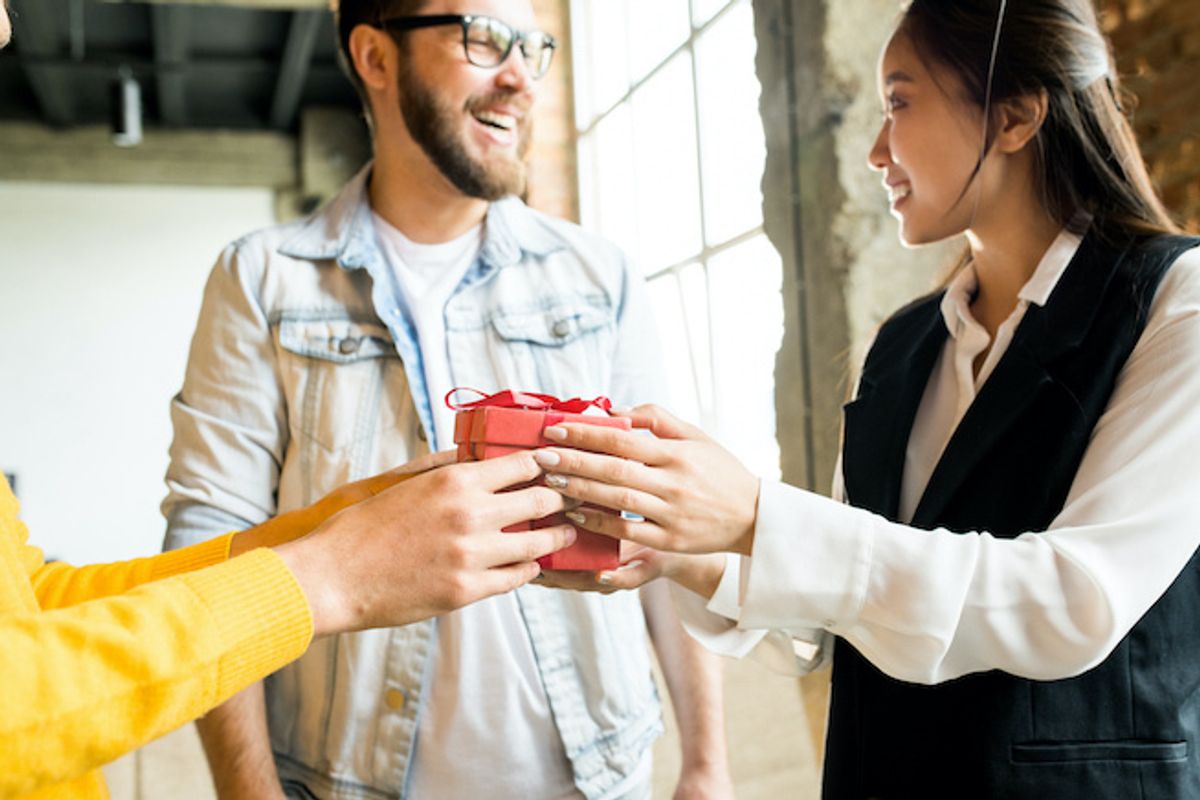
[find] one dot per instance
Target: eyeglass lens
(489, 42)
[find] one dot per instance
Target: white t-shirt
(486, 729)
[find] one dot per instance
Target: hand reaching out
(694, 496)
(426, 545)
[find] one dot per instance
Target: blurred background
(722, 143)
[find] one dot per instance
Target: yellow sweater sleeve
(57, 585)
(83, 685)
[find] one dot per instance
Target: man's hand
(426, 546)
(704, 784)
(695, 497)
(303, 521)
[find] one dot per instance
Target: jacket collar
(879, 421)
(1046, 335)
(343, 231)
(1053, 265)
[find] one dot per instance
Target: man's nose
(514, 72)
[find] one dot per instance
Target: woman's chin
(913, 234)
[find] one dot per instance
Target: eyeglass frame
(519, 37)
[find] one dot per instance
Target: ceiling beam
(38, 39)
(169, 24)
(293, 68)
(269, 5)
(108, 61)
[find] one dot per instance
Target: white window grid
(719, 300)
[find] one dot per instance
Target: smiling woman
(1010, 460)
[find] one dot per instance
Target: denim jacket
(305, 373)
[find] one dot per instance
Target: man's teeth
(502, 121)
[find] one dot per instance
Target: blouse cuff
(810, 562)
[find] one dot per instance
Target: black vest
(1130, 727)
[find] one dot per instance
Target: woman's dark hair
(1087, 157)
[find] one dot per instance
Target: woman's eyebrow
(898, 76)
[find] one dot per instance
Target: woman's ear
(1020, 119)
(373, 54)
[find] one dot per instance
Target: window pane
(704, 10)
(611, 213)
(747, 328)
(601, 43)
(656, 28)
(693, 288)
(589, 169)
(731, 134)
(668, 187)
(678, 347)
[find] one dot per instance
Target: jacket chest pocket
(343, 380)
(564, 349)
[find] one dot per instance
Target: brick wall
(1157, 44)
(553, 181)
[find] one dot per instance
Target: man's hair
(352, 13)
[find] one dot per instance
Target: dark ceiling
(198, 66)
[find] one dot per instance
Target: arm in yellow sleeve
(58, 585)
(83, 685)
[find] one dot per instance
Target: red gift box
(508, 422)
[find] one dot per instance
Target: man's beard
(433, 125)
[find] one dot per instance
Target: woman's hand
(694, 496)
(639, 566)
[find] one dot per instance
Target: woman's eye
(893, 104)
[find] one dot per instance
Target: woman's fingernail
(604, 578)
(547, 458)
(578, 517)
(572, 535)
(555, 433)
(637, 562)
(556, 481)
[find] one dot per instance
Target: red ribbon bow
(527, 400)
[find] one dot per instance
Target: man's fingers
(661, 423)
(612, 441)
(535, 502)
(501, 580)
(495, 474)
(514, 548)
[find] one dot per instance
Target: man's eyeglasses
(486, 40)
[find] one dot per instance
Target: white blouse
(928, 606)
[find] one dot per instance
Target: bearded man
(323, 351)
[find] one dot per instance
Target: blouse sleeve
(928, 606)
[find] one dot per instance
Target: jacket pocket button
(562, 328)
(348, 346)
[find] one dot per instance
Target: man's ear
(1019, 120)
(373, 54)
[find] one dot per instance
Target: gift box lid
(520, 426)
